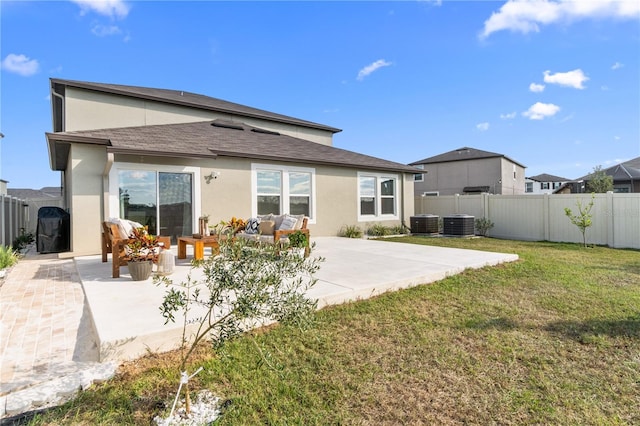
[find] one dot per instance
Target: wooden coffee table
(198, 246)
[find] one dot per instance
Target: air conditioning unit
(459, 225)
(424, 224)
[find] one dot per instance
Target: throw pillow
(300, 219)
(289, 222)
(252, 225)
(266, 227)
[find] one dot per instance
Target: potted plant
(141, 251)
(299, 242)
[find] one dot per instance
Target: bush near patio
(551, 339)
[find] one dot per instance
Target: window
(419, 177)
(159, 197)
(544, 185)
(280, 189)
(557, 185)
(514, 172)
(528, 187)
(377, 196)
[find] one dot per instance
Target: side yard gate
(14, 215)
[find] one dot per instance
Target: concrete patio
(128, 323)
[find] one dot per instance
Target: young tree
(583, 219)
(599, 182)
(246, 285)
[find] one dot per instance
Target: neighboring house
(164, 157)
(543, 184)
(626, 179)
(469, 171)
(36, 198)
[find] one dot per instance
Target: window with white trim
(419, 177)
(377, 196)
(281, 189)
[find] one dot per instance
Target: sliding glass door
(159, 200)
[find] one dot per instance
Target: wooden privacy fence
(616, 217)
(14, 215)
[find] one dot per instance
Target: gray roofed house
(165, 157)
(543, 183)
(626, 179)
(468, 171)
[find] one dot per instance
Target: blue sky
(553, 85)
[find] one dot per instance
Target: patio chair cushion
(125, 227)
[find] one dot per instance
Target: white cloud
(539, 111)
(536, 88)
(527, 16)
(110, 8)
(20, 64)
(573, 78)
(483, 127)
(617, 66)
(105, 30)
(508, 116)
(372, 67)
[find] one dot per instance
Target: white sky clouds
(527, 16)
(536, 88)
(573, 78)
(617, 66)
(20, 64)
(508, 116)
(372, 67)
(105, 30)
(110, 8)
(539, 111)
(483, 127)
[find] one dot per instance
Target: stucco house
(468, 171)
(165, 157)
(543, 183)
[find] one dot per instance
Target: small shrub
(483, 225)
(23, 240)
(399, 230)
(8, 256)
(378, 230)
(351, 231)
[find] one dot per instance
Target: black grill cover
(52, 235)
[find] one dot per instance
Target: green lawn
(551, 339)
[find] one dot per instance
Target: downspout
(105, 185)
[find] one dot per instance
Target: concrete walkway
(67, 323)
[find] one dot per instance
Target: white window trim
(114, 184)
(378, 216)
(284, 199)
(415, 176)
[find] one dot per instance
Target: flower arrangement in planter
(141, 251)
(230, 227)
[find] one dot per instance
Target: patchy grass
(551, 339)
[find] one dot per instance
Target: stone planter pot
(140, 271)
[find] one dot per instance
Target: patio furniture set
(269, 228)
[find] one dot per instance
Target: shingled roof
(194, 100)
(623, 171)
(212, 139)
(544, 177)
(462, 154)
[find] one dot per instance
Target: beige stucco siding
(89, 110)
(85, 206)
(452, 177)
(512, 185)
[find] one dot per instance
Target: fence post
(611, 238)
(546, 214)
(457, 204)
(2, 218)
